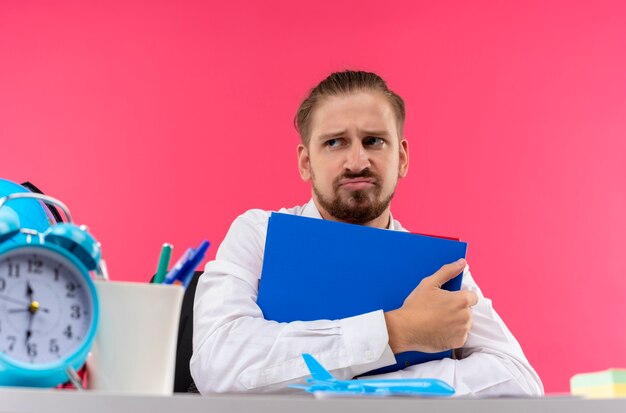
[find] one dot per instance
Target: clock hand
(29, 331)
(23, 310)
(29, 291)
(34, 305)
(13, 300)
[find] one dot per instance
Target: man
(353, 153)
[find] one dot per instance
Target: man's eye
(373, 141)
(333, 143)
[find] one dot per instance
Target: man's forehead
(365, 111)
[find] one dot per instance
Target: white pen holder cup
(135, 346)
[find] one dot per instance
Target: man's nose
(357, 158)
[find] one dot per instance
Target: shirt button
(369, 355)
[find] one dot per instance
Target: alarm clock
(48, 301)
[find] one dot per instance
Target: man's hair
(343, 83)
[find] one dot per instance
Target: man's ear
(304, 163)
(403, 166)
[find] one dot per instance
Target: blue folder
(315, 269)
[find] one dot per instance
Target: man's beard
(360, 206)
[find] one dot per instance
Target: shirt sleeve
(491, 363)
(235, 349)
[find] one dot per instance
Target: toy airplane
(322, 381)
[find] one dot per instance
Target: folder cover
(315, 269)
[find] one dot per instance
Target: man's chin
(356, 210)
(357, 198)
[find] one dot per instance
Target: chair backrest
(183, 383)
(182, 376)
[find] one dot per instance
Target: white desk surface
(16, 400)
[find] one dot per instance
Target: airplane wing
(300, 386)
(436, 388)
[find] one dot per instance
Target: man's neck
(382, 221)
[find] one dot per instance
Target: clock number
(68, 331)
(14, 270)
(12, 340)
(31, 349)
(3, 284)
(56, 274)
(71, 289)
(54, 346)
(35, 266)
(75, 311)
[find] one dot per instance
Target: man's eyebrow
(332, 134)
(337, 134)
(376, 133)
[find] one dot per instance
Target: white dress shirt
(235, 349)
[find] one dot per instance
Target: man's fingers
(472, 298)
(447, 272)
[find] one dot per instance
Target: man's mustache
(365, 173)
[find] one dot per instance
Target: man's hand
(432, 319)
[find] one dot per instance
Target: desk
(50, 401)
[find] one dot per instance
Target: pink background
(163, 120)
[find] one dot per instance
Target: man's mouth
(357, 184)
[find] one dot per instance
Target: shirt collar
(311, 211)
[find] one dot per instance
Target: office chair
(183, 383)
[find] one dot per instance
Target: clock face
(46, 309)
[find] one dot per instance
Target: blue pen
(186, 272)
(173, 274)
